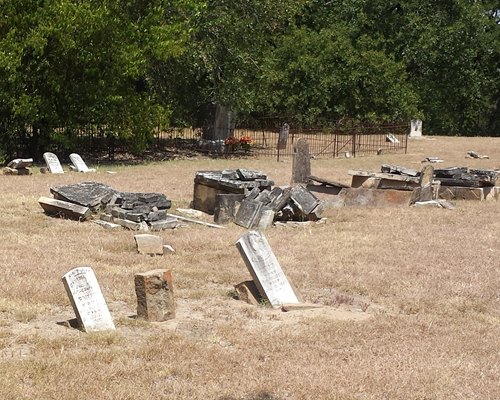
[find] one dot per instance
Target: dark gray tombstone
(87, 300)
(265, 269)
(301, 168)
(226, 207)
(283, 136)
(304, 199)
(248, 214)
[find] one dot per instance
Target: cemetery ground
(411, 295)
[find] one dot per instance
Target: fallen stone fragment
(167, 249)
(149, 244)
(64, 209)
(155, 295)
(435, 204)
(167, 223)
(248, 214)
(226, 207)
(108, 225)
(300, 306)
(193, 221)
(19, 163)
(89, 194)
(134, 226)
(432, 160)
(473, 154)
(247, 291)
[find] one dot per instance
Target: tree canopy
(131, 65)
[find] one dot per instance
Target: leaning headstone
(79, 164)
(248, 214)
(416, 128)
(155, 295)
(265, 269)
(149, 244)
(53, 163)
(226, 207)
(301, 165)
(87, 300)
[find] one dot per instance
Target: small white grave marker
(265, 269)
(79, 164)
(87, 300)
(53, 163)
(416, 128)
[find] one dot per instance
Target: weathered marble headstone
(53, 163)
(283, 136)
(416, 128)
(265, 269)
(149, 244)
(155, 295)
(87, 300)
(425, 192)
(79, 164)
(301, 166)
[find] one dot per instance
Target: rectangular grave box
(208, 184)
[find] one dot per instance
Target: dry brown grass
(412, 295)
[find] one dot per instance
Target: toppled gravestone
(135, 211)
(19, 166)
(259, 209)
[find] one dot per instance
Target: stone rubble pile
(135, 211)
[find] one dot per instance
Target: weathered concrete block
(155, 295)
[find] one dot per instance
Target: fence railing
(323, 143)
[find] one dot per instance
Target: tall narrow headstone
(416, 128)
(283, 136)
(265, 269)
(301, 168)
(87, 300)
(53, 163)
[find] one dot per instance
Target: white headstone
(53, 163)
(79, 164)
(265, 269)
(87, 300)
(415, 128)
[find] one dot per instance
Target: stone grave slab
(64, 209)
(79, 164)
(226, 207)
(356, 197)
(248, 214)
(53, 163)
(265, 269)
(87, 300)
(301, 164)
(304, 199)
(149, 244)
(155, 295)
(89, 194)
(20, 163)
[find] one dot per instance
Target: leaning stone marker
(149, 244)
(79, 164)
(53, 163)
(265, 269)
(301, 166)
(155, 295)
(87, 300)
